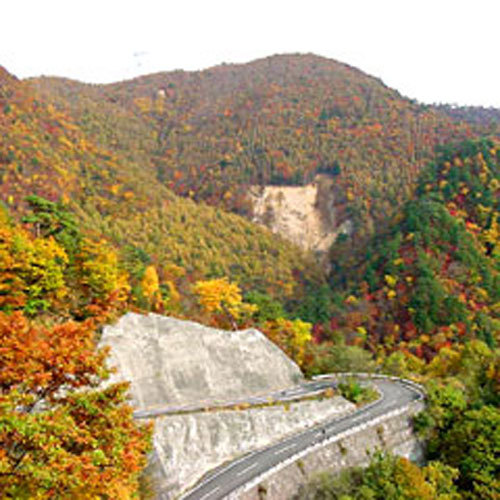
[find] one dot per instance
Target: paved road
(224, 480)
(295, 393)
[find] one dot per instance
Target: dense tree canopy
(61, 434)
(90, 227)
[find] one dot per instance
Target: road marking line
(206, 495)
(281, 450)
(247, 469)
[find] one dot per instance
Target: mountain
(210, 134)
(432, 279)
(115, 194)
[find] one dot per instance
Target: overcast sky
(433, 51)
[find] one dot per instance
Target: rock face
(171, 362)
(304, 215)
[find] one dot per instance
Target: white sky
(430, 50)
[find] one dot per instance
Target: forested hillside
(432, 278)
(116, 197)
(278, 120)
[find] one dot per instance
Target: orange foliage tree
(62, 435)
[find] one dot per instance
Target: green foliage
(472, 445)
(386, 478)
(354, 391)
(341, 358)
(267, 308)
(315, 307)
(52, 219)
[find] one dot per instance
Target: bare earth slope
(305, 215)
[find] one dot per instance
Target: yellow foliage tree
(100, 270)
(150, 285)
(221, 296)
(44, 270)
(32, 270)
(291, 335)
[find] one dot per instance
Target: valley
(230, 233)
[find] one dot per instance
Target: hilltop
(117, 198)
(210, 134)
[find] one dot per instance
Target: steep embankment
(188, 446)
(172, 362)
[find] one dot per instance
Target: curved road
(221, 482)
(293, 394)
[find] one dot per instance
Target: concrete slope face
(172, 362)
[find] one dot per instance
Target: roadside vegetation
(356, 392)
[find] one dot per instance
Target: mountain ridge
(277, 120)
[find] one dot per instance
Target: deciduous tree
(62, 435)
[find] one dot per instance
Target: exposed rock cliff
(304, 215)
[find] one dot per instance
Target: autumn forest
(133, 197)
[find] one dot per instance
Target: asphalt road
(295, 393)
(226, 479)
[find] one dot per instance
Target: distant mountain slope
(278, 120)
(115, 195)
(433, 279)
(475, 115)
